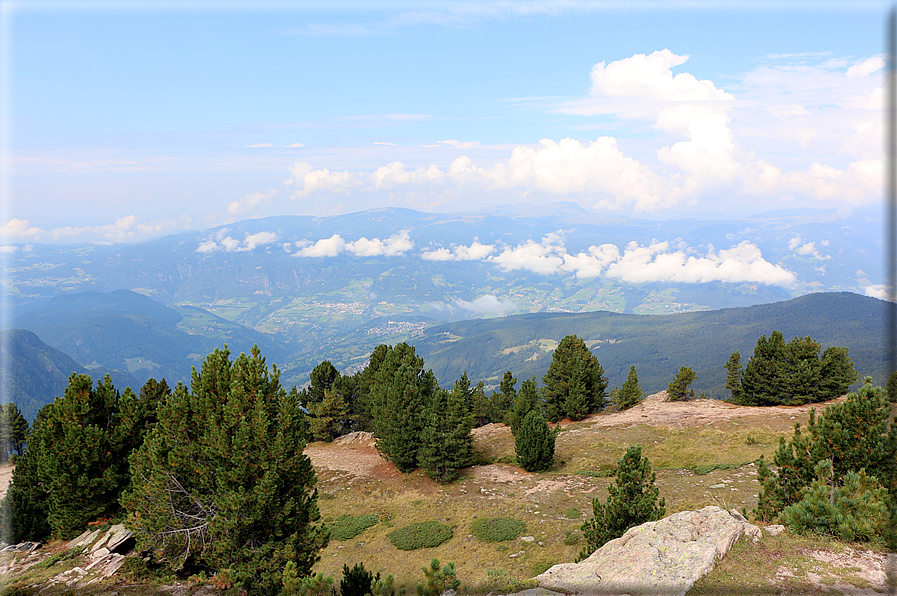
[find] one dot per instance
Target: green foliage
(793, 373)
(891, 387)
(437, 580)
(500, 402)
(678, 389)
(632, 500)
(733, 377)
(420, 535)
(323, 376)
(13, 431)
(526, 401)
(76, 464)
(61, 557)
(534, 443)
(447, 445)
(327, 417)
(854, 509)
(855, 435)
(497, 529)
(480, 409)
(630, 393)
(23, 511)
(384, 587)
(313, 585)
(346, 527)
(356, 581)
(573, 513)
(575, 384)
(222, 482)
(399, 395)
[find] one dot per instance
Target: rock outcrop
(663, 557)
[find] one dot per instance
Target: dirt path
(5, 478)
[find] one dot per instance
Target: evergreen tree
(23, 511)
(323, 376)
(526, 401)
(447, 445)
(558, 380)
(82, 455)
(534, 443)
(891, 388)
(678, 389)
(733, 378)
(855, 435)
(357, 581)
(400, 394)
(13, 431)
(437, 581)
(763, 380)
(480, 408)
(577, 403)
(630, 393)
(221, 482)
(632, 500)
(327, 418)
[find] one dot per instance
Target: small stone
(774, 529)
(718, 486)
(527, 538)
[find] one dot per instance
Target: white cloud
(798, 129)
(8, 249)
(249, 201)
(222, 241)
(488, 305)
(657, 262)
(799, 247)
(474, 252)
(394, 246)
(259, 145)
(294, 145)
(125, 229)
(877, 291)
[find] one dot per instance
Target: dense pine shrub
(534, 443)
(497, 529)
(632, 500)
(346, 527)
(420, 535)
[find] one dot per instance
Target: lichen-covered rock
(662, 557)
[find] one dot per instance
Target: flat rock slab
(665, 557)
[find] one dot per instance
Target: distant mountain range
(309, 288)
(134, 338)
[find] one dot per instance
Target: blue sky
(124, 121)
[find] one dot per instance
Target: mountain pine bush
(630, 393)
(575, 384)
(632, 500)
(534, 443)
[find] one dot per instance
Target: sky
(124, 121)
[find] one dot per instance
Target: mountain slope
(657, 345)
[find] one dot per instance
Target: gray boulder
(663, 557)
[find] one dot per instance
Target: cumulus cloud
(394, 246)
(487, 305)
(474, 252)
(712, 142)
(656, 262)
(222, 241)
(877, 291)
(800, 247)
(124, 229)
(249, 201)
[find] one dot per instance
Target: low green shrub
(497, 529)
(572, 538)
(60, 557)
(604, 471)
(573, 513)
(347, 527)
(420, 535)
(704, 469)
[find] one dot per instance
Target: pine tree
(323, 376)
(356, 581)
(733, 378)
(534, 443)
(221, 482)
(557, 381)
(82, 455)
(326, 418)
(632, 500)
(400, 394)
(23, 511)
(437, 581)
(480, 407)
(855, 435)
(526, 401)
(891, 388)
(678, 389)
(13, 431)
(630, 393)
(447, 445)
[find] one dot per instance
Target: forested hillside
(658, 345)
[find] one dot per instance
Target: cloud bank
(222, 242)
(831, 108)
(394, 246)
